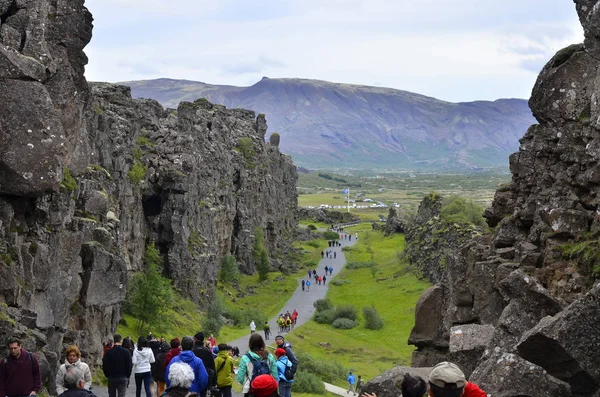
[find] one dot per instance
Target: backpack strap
(221, 366)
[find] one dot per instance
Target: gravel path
(302, 301)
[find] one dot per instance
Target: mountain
(324, 124)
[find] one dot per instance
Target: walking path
(302, 301)
(340, 391)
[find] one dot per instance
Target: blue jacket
(283, 362)
(351, 379)
(200, 375)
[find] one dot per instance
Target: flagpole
(348, 199)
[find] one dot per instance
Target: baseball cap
(263, 385)
(444, 373)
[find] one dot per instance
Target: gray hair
(72, 377)
(181, 375)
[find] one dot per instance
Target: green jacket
(225, 374)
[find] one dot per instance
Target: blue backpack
(259, 367)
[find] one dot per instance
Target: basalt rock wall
(517, 310)
(89, 176)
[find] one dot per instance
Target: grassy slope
(368, 352)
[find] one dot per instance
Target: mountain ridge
(326, 124)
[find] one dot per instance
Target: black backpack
(287, 372)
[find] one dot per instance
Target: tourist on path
(205, 354)
(117, 367)
(285, 385)
(351, 381)
(187, 356)
(142, 359)
(307, 285)
(224, 364)
(282, 344)
(252, 327)
(20, 372)
(267, 330)
(173, 352)
(257, 352)
(73, 360)
(181, 377)
(303, 284)
(74, 381)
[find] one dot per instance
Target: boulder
(388, 383)
(508, 375)
(428, 330)
(567, 344)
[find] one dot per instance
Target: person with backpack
(258, 361)
(281, 343)
(73, 360)
(204, 354)
(224, 364)
(187, 356)
(286, 376)
(19, 372)
(267, 330)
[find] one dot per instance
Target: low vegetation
(457, 209)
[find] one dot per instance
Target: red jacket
(472, 390)
(19, 377)
(174, 352)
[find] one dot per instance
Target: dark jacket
(208, 360)
(116, 363)
(290, 355)
(19, 377)
(77, 393)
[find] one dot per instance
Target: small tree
(260, 255)
(150, 293)
(229, 269)
(214, 317)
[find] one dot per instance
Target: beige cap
(446, 372)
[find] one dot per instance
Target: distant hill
(329, 125)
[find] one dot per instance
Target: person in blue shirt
(351, 381)
(187, 356)
(285, 385)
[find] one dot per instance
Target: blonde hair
(73, 349)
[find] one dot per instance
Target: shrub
(328, 235)
(360, 265)
(344, 323)
(137, 173)
(324, 316)
(327, 370)
(311, 227)
(346, 311)
(462, 210)
(260, 255)
(314, 244)
(214, 317)
(305, 382)
(246, 148)
(372, 318)
(323, 304)
(68, 183)
(338, 282)
(244, 317)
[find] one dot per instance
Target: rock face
(530, 284)
(89, 177)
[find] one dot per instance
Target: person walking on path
(19, 372)
(224, 364)
(187, 356)
(267, 330)
(303, 284)
(324, 279)
(74, 381)
(204, 354)
(73, 360)
(287, 347)
(351, 381)
(257, 352)
(285, 384)
(307, 285)
(142, 360)
(330, 270)
(252, 327)
(117, 367)
(326, 269)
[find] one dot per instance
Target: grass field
(393, 291)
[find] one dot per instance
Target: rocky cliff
(519, 312)
(89, 176)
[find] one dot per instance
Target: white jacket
(62, 370)
(142, 359)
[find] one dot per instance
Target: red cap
(279, 352)
(264, 385)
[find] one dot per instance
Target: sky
(455, 50)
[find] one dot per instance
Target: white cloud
(454, 50)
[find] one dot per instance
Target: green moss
(195, 243)
(246, 148)
(203, 204)
(97, 109)
(5, 256)
(68, 183)
(138, 153)
(142, 140)
(137, 172)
